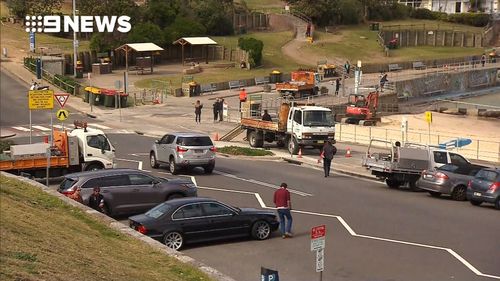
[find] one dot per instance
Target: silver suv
(183, 150)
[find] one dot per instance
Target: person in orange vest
(243, 96)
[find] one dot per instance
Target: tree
(183, 27)
(215, 15)
(146, 32)
(254, 47)
(22, 8)
(162, 12)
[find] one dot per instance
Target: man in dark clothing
(483, 60)
(337, 86)
(383, 80)
(328, 152)
(215, 109)
(96, 200)
(221, 110)
(266, 116)
(284, 205)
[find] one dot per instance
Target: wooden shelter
(195, 41)
(139, 47)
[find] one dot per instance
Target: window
(487, 175)
(440, 157)
(119, 180)
(194, 141)
(458, 159)
(297, 116)
(167, 139)
(318, 118)
(188, 212)
(98, 141)
(449, 168)
(67, 183)
(92, 183)
(137, 179)
(215, 209)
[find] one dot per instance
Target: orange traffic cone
(348, 153)
(300, 153)
(321, 156)
(216, 136)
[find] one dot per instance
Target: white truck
(80, 149)
(404, 164)
(296, 126)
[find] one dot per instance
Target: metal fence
(479, 149)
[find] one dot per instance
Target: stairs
(232, 134)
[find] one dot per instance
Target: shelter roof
(195, 41)
(142, 47)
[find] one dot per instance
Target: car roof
(188, 134)
(103, 172)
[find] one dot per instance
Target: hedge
(254, 47)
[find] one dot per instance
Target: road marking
(41, 128)
(139, 163)
(273, 186)
(257, 195)
(193, 179)
(21, 129)
(139, 154)
(99, 126)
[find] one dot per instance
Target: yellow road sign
(62, 114)
(41, 99)
(428, 117)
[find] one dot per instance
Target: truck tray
(35, 163)
(259, 124)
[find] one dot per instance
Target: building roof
(142, 47)
(195, 41)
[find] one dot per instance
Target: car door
(98, 147)
(163, 147)
(458, 160)
(117, 193)
(224, 221)
(192, 223)
(440, 158)
(146, 192)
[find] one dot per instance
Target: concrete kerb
(212, 272)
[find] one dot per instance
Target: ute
(80, 149)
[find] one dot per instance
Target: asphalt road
(373, 233)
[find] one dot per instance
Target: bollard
(4, 52)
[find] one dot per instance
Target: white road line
(193, 179)
(139, 163)
(261, 202)
(226, 190)
(99, 126)
(58, 126)
(21, 129)
(273, 186)
(139, 154)
(41, 128)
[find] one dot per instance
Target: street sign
(320, 260)
(317, 244)
(318, 237)
(61, 98)
(32, 41)
(267, 274)
(41, 99)
(428, 117)
(62, 114)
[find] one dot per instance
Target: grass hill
(43, 238)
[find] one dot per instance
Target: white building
(454, 6)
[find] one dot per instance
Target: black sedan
(188, 220)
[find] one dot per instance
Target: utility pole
(75, 41)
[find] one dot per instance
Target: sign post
(428, 118)
(39, 99)
(318, 234)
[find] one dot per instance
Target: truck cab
(94, 151)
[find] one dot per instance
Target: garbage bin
(79, 72)
(108, 97)
(86, 96)
(275, 76)
(123, 99)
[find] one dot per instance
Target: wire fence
(479, 149)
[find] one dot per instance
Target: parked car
(485, 187)
(188, 220)
(183, 150)
(448, 179)
(127, 190)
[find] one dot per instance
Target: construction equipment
(303, 83)
(81, 149)
(296, 126)
(362, 110)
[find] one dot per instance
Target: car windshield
(158, 211)
(448, 168)
(67, 183)
(194, 141)
(318, 118)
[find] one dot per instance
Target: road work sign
(62, 114)
(41, 99)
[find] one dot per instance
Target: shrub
(425, 14)
(68, 85)
(254, 47)
(474, 19)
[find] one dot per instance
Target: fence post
(477, 150)
(369, 133)
(355, 133)
(340, 133)
(439, 139)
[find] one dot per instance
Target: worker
(266, 116)
(243, 96)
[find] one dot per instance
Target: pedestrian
(96, 200)
(483, 60)
(347, 68)
(308, 30)
(328, 152)
(243, 96)
(383, 80)
(77, 195)
(197, 111)
(337, 86)
(215, 108)
(221, 110)
(266, 116)
(284, 205)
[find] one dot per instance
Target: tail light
(494, 187)
(213, 149)
(142, 229)
(68, 192)
(440, 175)
(181, 149)
(469, 184)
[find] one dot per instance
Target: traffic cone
(348, 153)
(300, 153)
(216, 136)
(321, 156)
(46, 139)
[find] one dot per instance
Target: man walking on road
(328, 152)
(284, 205)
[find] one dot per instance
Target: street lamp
(75, 41)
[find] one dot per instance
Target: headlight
(306, 136)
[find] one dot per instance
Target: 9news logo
(56, 24)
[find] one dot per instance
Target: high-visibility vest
(243, 96)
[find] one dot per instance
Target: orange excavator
(362, 110)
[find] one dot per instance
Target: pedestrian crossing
(44, 129)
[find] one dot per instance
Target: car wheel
(459, 193)
(392, 183)
(434, 193)
(174, 170)
(293, 146)
(255, 139)
(152, 160)
(209, 169)
(475, 202)
(174, 196)
(93, 167)
(261, 230)
(174, 240)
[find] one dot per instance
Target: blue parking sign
(32, 41)
(268, 274)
